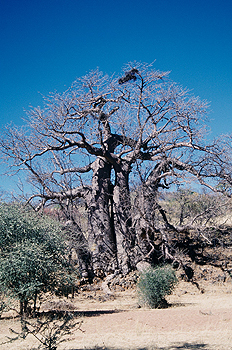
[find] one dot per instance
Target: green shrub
(32, 255)
(155, 284)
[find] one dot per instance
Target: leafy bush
(155, 284)
(32, 255)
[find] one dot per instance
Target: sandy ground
(193, 321)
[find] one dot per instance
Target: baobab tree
(91, 141)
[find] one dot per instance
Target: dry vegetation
(107, 314)
(193, 320)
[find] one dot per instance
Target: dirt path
(195, 321)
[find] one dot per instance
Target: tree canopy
(102, 138)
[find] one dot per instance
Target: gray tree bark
(101, 237)
(125, 236)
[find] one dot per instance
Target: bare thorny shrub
(49, 330)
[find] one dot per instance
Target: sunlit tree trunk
(101, 238)
(125, 236)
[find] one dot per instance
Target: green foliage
(32, 254)
(155, 284)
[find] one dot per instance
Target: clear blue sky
(46, 44)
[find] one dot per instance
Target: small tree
(32, 255)
(155, 284)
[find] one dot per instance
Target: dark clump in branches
(129, 76)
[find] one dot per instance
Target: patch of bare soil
(194, 320)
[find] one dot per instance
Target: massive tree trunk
(101, 237)
(125, 237)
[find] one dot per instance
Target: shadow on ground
(179, 346)
(59, 313)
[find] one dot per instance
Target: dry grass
(194, 321)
